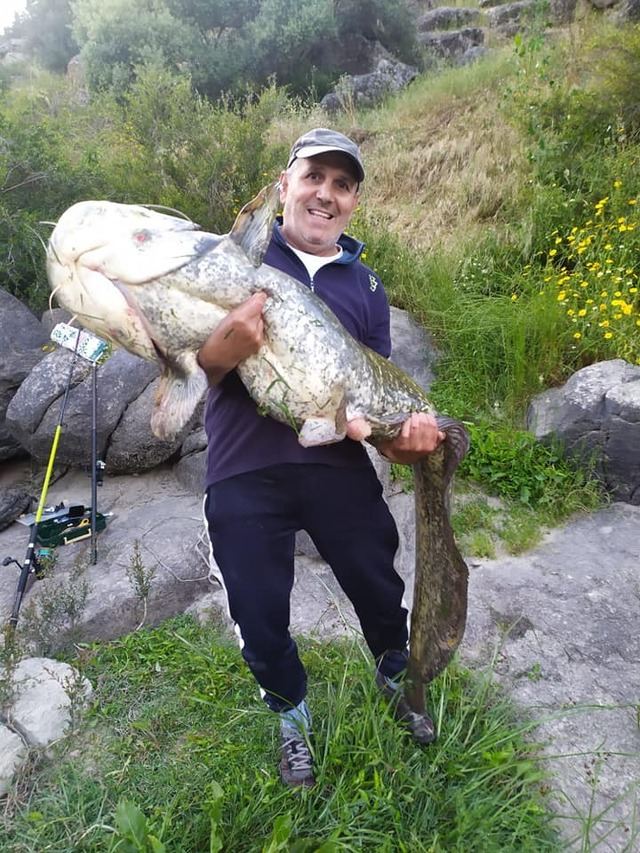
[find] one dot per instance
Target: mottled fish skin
(310, 372)
(438, 615)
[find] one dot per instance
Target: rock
(13, 502)
(412, 348)
(48, 694)
(596, 416)
(190, 470)
(452, 43)
(22, 339)
(51, 317)
(472, 54)
(559, 629)
(517, 12)
(155, 512)
(133, 447)
(13, 752)
(366, 90)
(628, 12)
(41, 389)
(35, 409)
(13, 50)
(445, 17)
(562, 11)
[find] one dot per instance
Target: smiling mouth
(321, 214)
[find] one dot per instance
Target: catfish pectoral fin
(439, 613)
(178, 395)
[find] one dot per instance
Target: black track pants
(252, 522)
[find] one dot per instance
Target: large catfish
(157, 285)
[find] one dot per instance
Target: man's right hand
(238, 336)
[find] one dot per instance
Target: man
(262, 486)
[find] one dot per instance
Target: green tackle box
(69, 527)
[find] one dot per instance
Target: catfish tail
(439, 613)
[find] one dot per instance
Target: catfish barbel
(157, 285)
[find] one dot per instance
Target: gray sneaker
(420, 726)
(296, 762)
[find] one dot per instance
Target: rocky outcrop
(446, 17)
(366, 90)
(627, 12)
(596, 417)
(22, 339)
(518, 12)
(452, 44)
(126, 387)
(13, 50)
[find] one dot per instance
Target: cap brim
(314, 150)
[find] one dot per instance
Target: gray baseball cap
(320, 140)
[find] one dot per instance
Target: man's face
(319, 195)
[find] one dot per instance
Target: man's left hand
(419, 435)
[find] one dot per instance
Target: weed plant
(179, 751)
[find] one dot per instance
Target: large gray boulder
(151, 512)
(35, 409)
(562, 11)
(22, 339)
(451, 44)
(518, 12)
(596, 417)
(190, 468)
(446, 17)
(47, 696)
(628, 12)
(132, 446)
(366, 90)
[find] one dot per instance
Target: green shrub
(515, 465)
(162, 144)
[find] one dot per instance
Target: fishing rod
(90, 347)
(30, 564)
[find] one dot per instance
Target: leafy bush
(515, 465)
(46, 28)
(162, 144)
(225, 46)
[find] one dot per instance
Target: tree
(116, 36)
(46, 27)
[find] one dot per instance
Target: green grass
(176, 715)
